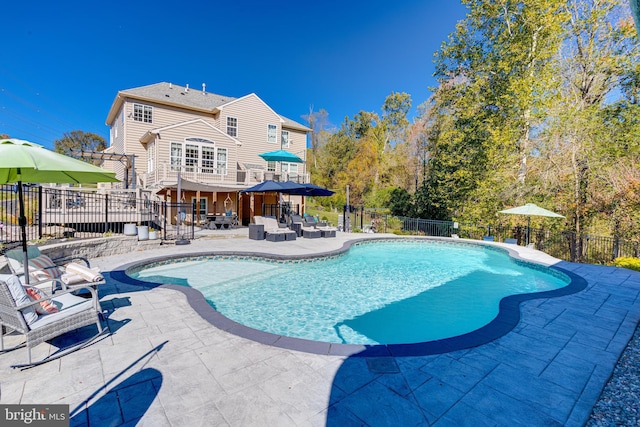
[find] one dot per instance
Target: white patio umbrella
(23, 161)
(529, 210)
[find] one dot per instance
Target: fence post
(193, 219)
(106, 212)
(39, 212)
(616, 247)
(164, 219)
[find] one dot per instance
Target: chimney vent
(170, 86)
(187, 88)
(204, 88)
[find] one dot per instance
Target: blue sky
(64, 62)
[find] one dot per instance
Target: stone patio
(164, 365)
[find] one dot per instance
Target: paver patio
(164, 365)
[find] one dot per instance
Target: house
(210, 141)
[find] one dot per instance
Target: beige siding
(116, 145)
(175, 124)
(195, 130)
(162, 116)
(254, 116)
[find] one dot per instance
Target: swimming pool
(384, 292)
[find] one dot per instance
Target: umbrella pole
(22, 222)
(528, 228)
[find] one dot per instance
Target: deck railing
(63, 213)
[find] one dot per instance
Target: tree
(586, 130)
(400, 202)
(318, 122)
(78, 140)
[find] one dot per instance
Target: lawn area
(316, 209)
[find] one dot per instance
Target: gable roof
(291, 124)
(150, 134)
(172, 95)
(183, 97)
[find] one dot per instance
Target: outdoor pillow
(20, 297)
(43, 268)
(45, 307)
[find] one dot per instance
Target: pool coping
(505, 321)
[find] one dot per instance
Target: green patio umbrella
(23, 161)
(530, 210)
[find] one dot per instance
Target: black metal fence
(55, 213)
(280, 211)
(178, 221)
(568, 246)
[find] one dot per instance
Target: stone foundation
(103, 246)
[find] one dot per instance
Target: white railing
(234, 177)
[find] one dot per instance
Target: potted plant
(153, 234)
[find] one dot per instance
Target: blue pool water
(377, 293)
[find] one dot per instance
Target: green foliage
(78, 140)
(626, 262)
(428, 205)
(400, 203)
(537, 101)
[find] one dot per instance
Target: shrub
(627, 262)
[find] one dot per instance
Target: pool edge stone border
(505, 321)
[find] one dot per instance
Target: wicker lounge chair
(17, 313)
(42, 269)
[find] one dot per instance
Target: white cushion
(68, 305)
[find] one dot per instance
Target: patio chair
(275, 233)
(511, 241)
(25, 315)
(307, 229)
(326, 230)
(488, 238)
(43, 271)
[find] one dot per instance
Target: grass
(314, 209)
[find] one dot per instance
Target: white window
(272, 134)
(176, 156)
(198, 155)
(271, 166)
(208, 160)
(285, 139)
(191, 155)
(221, 164)
(201, 207)
(291, 169)
(232, 126)
(151, 164)
(142, 113)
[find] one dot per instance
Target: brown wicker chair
(74, 312)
